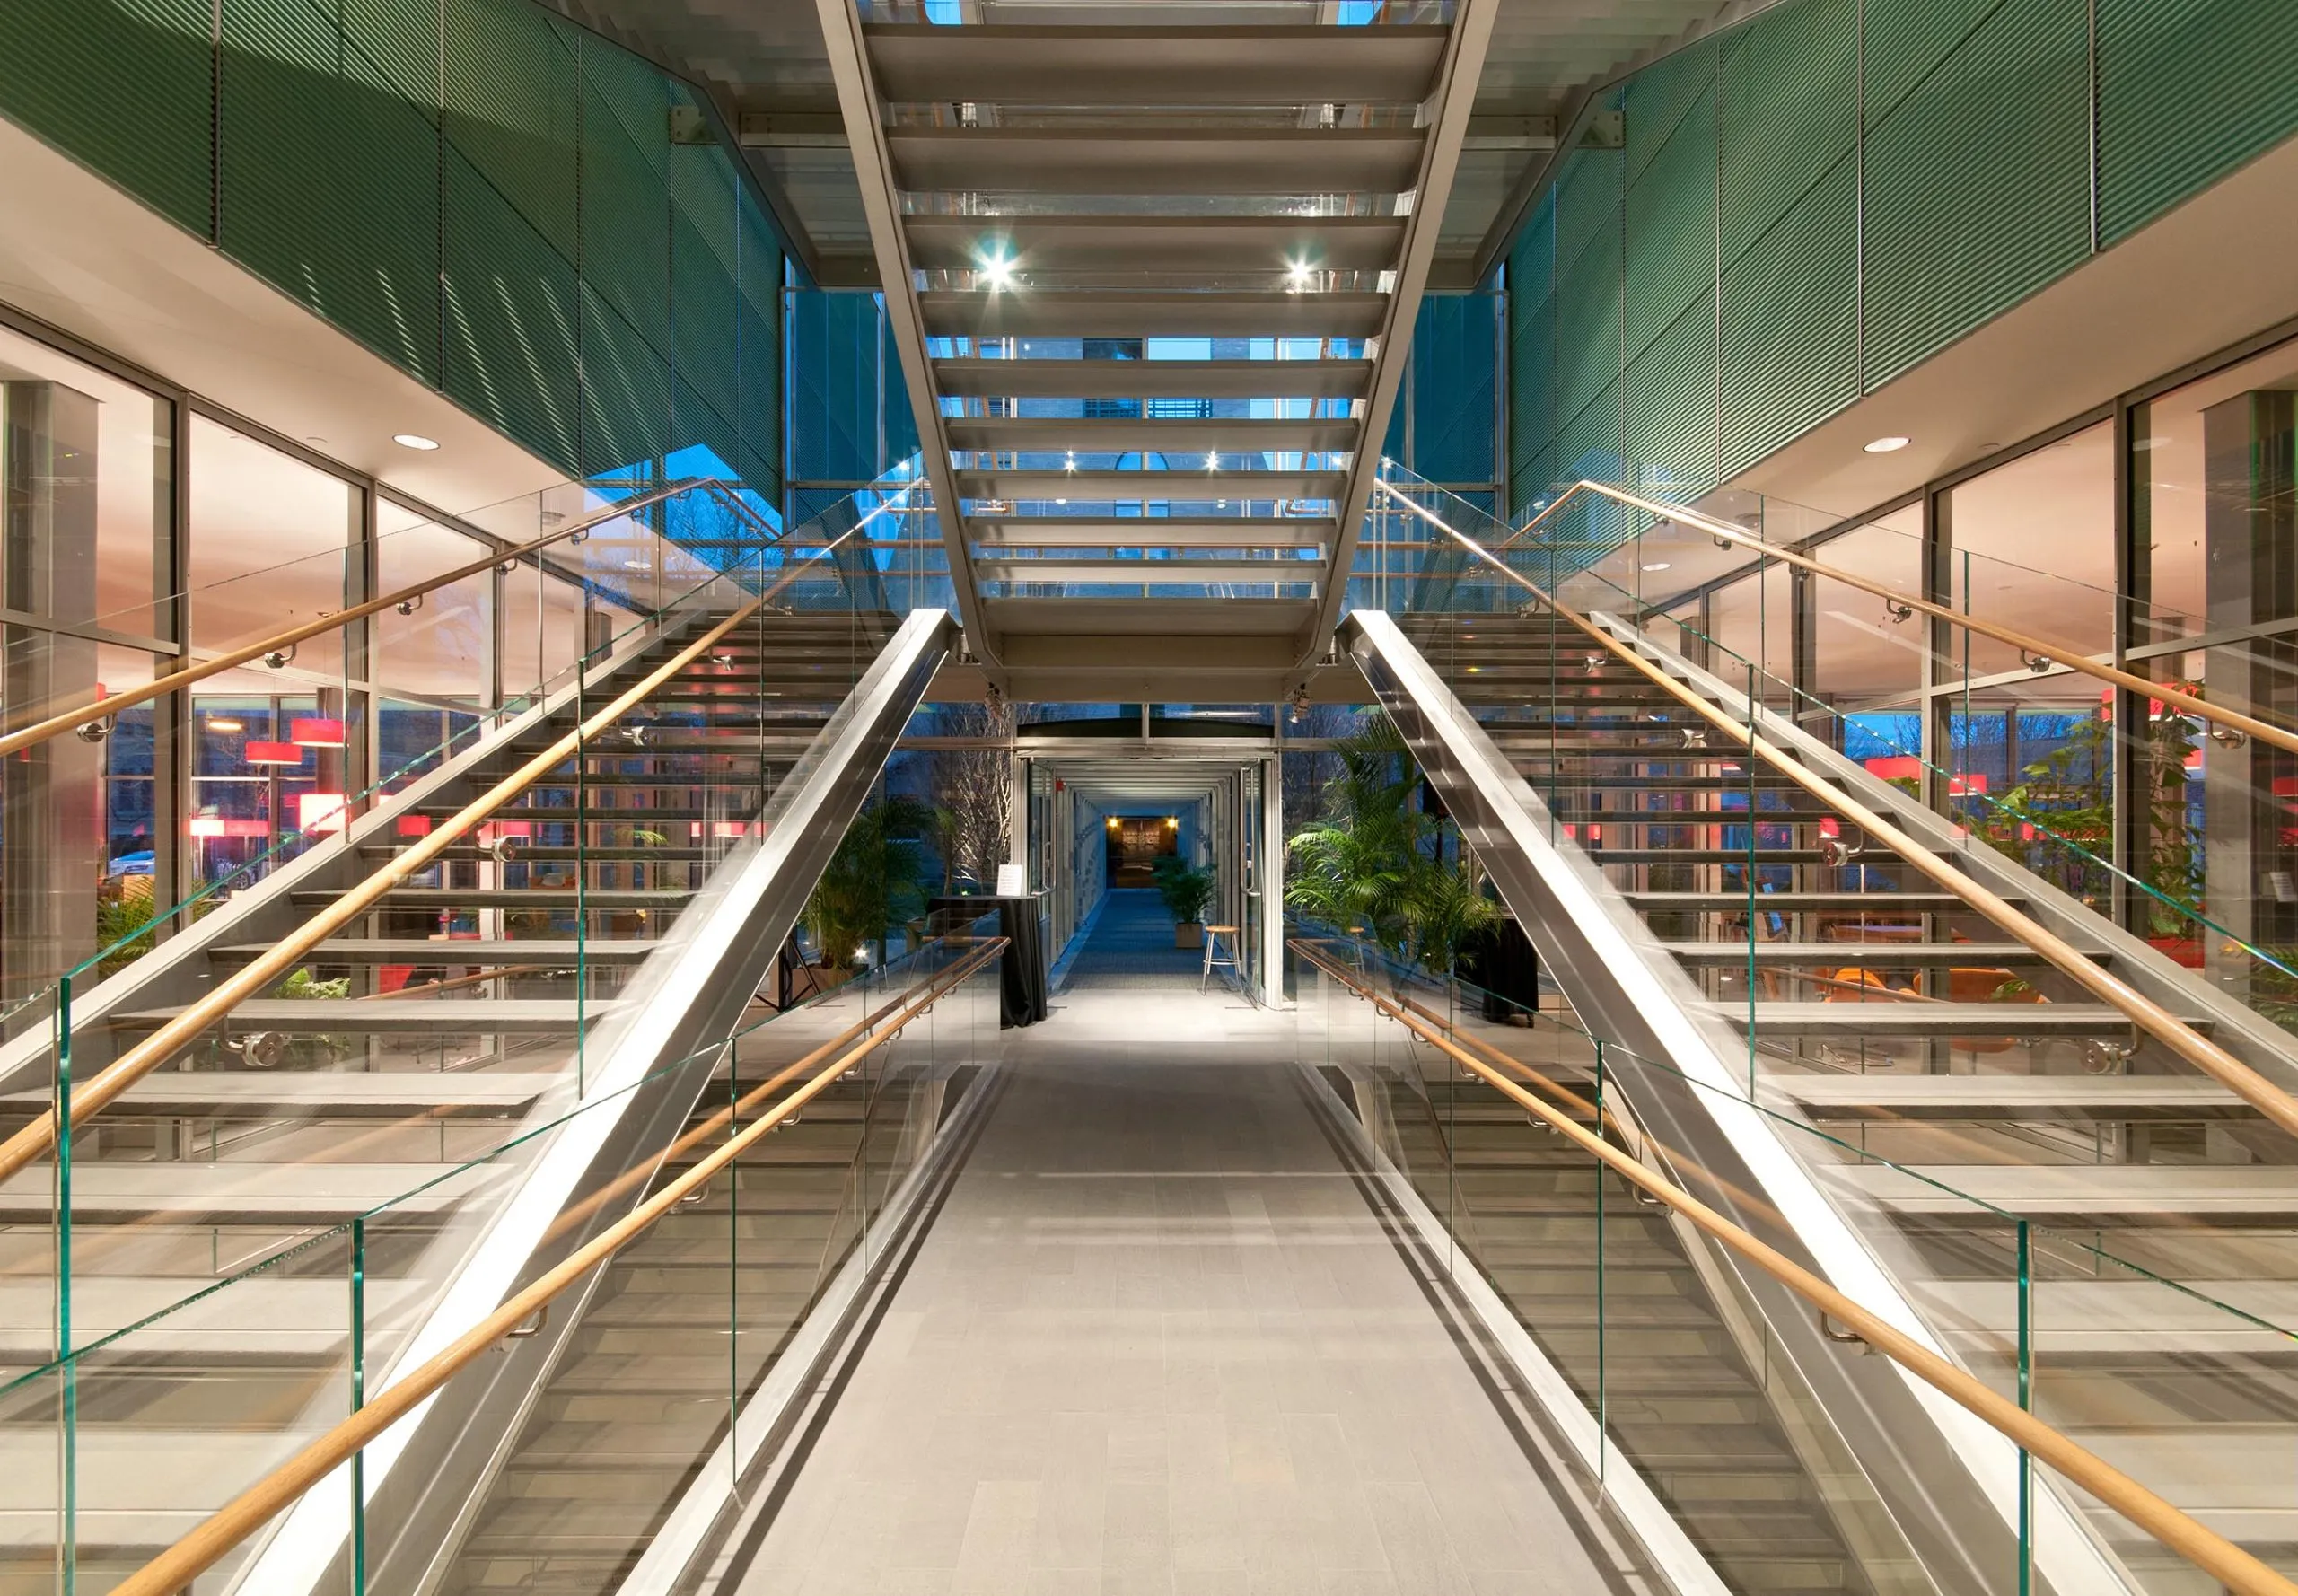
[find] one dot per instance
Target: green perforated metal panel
(1590, 444)
(704, 301)
(1977, 186)
(1905, 41)
(759, 411)
(705, 258)
(758, 268)
(330, 179)
(513, 107)
(124, 86)
(625, 254)
(759, 338)
(1531, 342)
(1659, 97)
(2189, 90)
(1787, 111)
(634, 94)
(1671, 407)
(1670, 234)
(626, 392)
(510, 319)
(702, 192)
(1587, 327)
(398, 39)
(1587, 203)
(1790, 312)
(697, 423)
(1528, 488)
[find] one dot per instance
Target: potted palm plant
(1186, 891)
(1374, 866)
(874, 883)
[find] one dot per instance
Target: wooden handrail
(2204, 1547)
(2027, 645)
(131, 1067)
(174, 1569)
(96, 710)
(2149, 1016)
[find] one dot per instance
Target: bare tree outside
(973, 789)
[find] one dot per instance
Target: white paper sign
(1012, 881)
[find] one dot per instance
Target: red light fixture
(272, 753)
(317, 731)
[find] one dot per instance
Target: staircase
(1878, 1017)
(419, 1036)
(645, 1387)
(1607, 1291)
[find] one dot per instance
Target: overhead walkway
(321, 1130)
(1966, 1098)
(1130, 944)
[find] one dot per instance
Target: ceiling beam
(1455, 97)
(858, 102)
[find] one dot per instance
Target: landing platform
(1156, 1341)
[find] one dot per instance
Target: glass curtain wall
(2194, 583)
(86, 464)
(2214, 609)
(109, 582)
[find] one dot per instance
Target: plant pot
(1189, 933)
(2185, 950)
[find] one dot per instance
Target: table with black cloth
(1024, 994)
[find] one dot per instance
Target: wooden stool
(1213, 935)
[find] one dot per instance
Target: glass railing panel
(2157, 1345)
(280, 754)
(277, 1295)
(2167, 1385)
(688, 1322)
(465, 999)
(2028, 762)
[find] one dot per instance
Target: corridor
(1130, 945)
(1156, 1341)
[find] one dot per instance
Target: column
(2250, 575)
(51, 843)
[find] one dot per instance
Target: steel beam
(1448, 125)
(858, 101)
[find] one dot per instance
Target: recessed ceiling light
(1891, 445)
(2143, 444)
(998, 268)
(414, 441)
(1656, 565)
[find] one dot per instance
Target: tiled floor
(1156, 1342)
